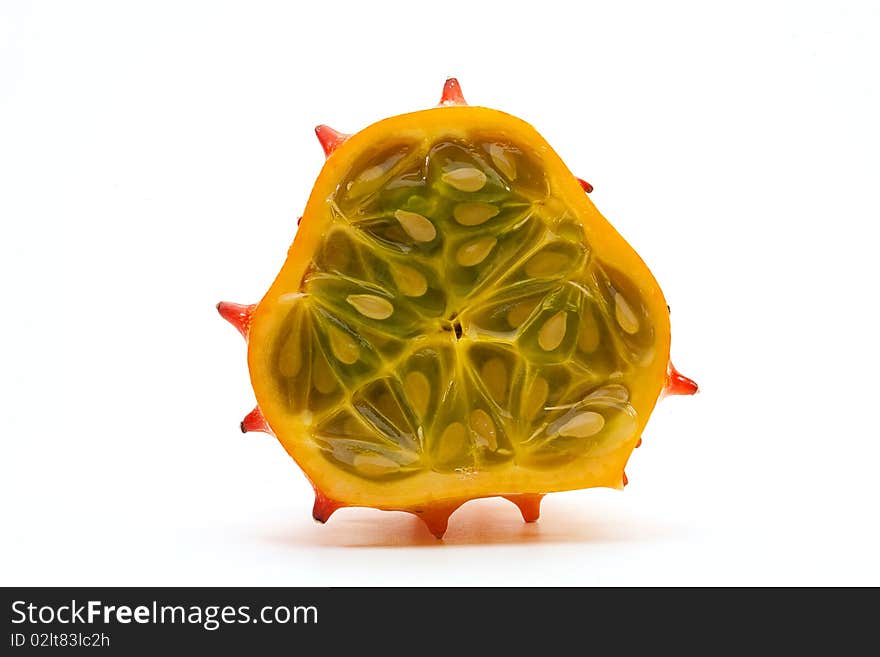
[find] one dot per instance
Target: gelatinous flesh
(454, 319)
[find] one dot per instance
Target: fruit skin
(431, 503)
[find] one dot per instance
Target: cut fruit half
(455, 320)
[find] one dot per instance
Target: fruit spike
(436, 516)
(324, 507)
(587, 187)
(529, 505)
(452, 93)
(238, 315)
(678, 384)
(329, 138)
(254, 421)
(422, 328)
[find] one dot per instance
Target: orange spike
(639, 444)
(452, 93)
(324, 507)
(238, 315)
(330, 138)
(254, 421)
(677, 383)
(529, 505)
(436, 516)
(625, 480)
(587, 187)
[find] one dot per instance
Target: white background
(154, 157)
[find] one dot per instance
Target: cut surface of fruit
(455, 320)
